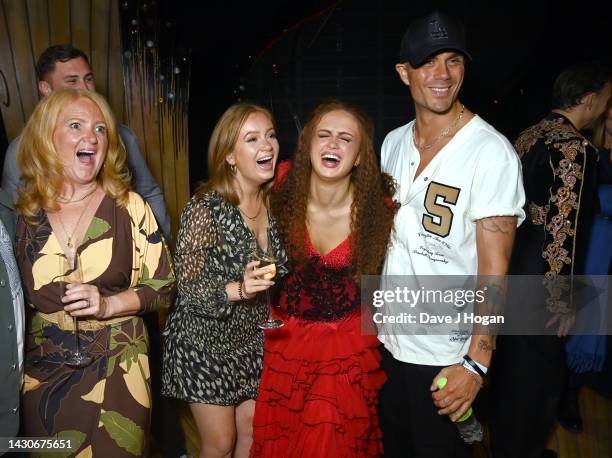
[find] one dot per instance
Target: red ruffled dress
(318, 395)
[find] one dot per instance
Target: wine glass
(75, 358)
(266, 258)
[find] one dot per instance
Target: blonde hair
(39, 162)
(222, 143)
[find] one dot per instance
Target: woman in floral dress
(87, 247)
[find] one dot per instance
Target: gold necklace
(69, 237)
(71, 201)
(443, 134)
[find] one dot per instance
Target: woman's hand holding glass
(257, 279)
(84, 300)
(266, 259)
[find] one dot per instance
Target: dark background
(290, 55)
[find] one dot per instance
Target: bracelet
(480, 369)
(474, 375)
(240, 295)
(470, 368)
(467, 366)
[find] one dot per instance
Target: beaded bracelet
(474, 375)
(240, 286)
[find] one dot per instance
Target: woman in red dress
(319, 390)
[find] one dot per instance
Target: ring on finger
(88, 303)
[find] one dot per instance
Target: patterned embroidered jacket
(560, 177)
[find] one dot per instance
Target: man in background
(63, 66)
(560, 176)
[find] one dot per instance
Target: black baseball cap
(431, 34)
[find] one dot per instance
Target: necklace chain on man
(69, 237)
(443, 134)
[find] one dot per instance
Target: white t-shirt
(476, 175)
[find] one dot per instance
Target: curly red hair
(372, 209)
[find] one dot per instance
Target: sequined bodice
(322, 289)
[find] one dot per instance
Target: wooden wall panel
(115, 86)
(40, 34)
(154, 108)
(99, 56)
(28, 27)
(81, 25)
(162, 103)
(181, 171)
(168, 164)
(150, 100)
(134, 115)
(59, 21)
(13, 113)
(23, 61)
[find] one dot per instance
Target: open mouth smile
(86, 156)
(330, 157)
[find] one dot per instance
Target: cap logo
(437, 31)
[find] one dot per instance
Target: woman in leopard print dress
(213, 348)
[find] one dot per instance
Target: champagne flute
(266, 258)
(76, 358)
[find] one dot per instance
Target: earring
(233, 168)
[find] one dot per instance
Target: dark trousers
(409, 420)
(165, 423)
(527, 377)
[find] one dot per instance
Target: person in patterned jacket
(560, 178)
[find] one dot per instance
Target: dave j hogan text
(428, 318)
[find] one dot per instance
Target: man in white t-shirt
(461, 195)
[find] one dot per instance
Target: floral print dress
(103, 408)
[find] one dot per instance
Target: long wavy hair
(42, 171)
(372, 209)
(222, 143)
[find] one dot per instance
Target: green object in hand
(442, 381)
